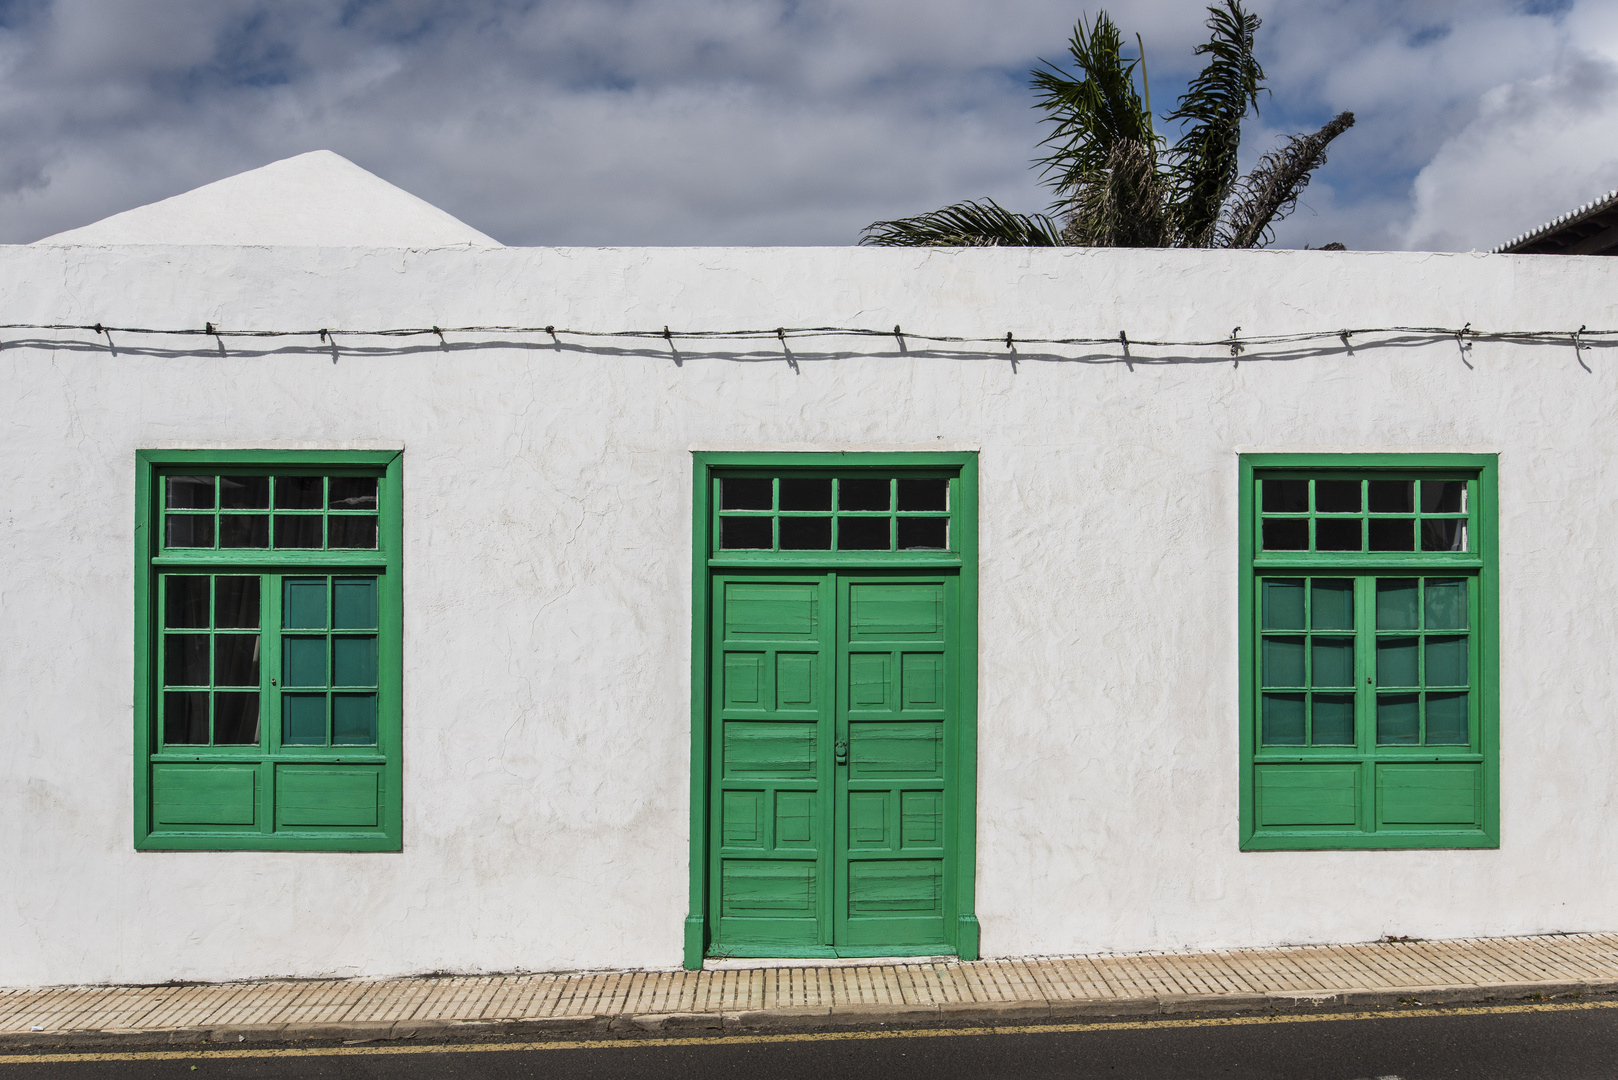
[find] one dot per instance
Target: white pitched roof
(318, 199)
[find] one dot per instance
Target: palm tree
(1117, 183)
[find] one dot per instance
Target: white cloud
(1537, 148)
(771, 121)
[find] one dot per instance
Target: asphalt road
(1520, 1043)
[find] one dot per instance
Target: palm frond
(1204, 158)
(965, 224)
(1093, 114)
(1123, 204)
(1270, 191)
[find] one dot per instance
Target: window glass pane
(352, 532)
(300, 492)
(749, 533)
(1446, 604)
(185, 660)
(190, 493)
(1392, 496)
(863, 495)
(185, 602)
(798, 493)
(235, 721)
(1283, 661)
(235, 660)
(236, 602)
(1396, 604)
(1331, 661)
(354, 604)
(244, 530)
(1332, 720)
(1338, 534)
(353, 719)
(1285, 496)
(244, 492)
(806, 534)
(924, 494)
(1337, 496)
(1446, 720)
(353, 493)
(1283, 603)
(1443, 496)
(297, 531)
(185, 718)
(1443, 534)
(189, 531)
(1396, 662)
(303, 719)
(745, 493)
(1331, 604)
(1286, 534)
(353, 661)
(863, 534)
(303, 604)
(923, 534)
(1446, 661)
(1283, 719)
(1393, 534)
(1398, 719)
(303, 661)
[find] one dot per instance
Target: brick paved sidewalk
(809, 996)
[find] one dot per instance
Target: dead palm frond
(1270, 191)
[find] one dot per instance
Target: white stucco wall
(547, 582)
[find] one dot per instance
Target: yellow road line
(631, 1042)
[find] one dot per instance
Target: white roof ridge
(317, 199)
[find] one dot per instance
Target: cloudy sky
(779, 121)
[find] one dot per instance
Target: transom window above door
(826, 512)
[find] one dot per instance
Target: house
(1592, 229)
(381, 599)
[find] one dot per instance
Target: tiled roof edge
(1592, 207)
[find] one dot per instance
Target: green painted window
(267, 650)
(1369, 715)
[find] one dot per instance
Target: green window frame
(1369, 666)
(267, 650)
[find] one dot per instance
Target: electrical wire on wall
(1236, 342)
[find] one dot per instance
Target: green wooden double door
(833, 728)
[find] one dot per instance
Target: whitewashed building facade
(505, 648)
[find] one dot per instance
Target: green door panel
(831, 727)
(897, 644)
(770, 741)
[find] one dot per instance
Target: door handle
(842, 752)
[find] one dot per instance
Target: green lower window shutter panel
(335, 795)
(1429, 795)
(204, 794)
(1308, 794)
